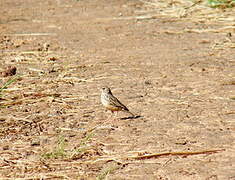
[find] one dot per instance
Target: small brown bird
(111, 103)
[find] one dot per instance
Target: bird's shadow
(131, 117)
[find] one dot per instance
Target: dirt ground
(172, 64)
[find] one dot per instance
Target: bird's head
(105, 90)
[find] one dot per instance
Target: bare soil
(176, 72)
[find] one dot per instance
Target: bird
(110, 102)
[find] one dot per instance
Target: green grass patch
(58, 152)
(83, 147)
(7, 84)
(105, 172)
(221, 3)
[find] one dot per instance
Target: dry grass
(52, 126)
(195, 11)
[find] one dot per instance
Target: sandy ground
(174, 69)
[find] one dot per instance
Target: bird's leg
(115, 114)
(110, 115)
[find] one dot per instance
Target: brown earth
(172, 65)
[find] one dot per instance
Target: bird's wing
(117, 103)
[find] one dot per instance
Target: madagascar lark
(112, 103)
